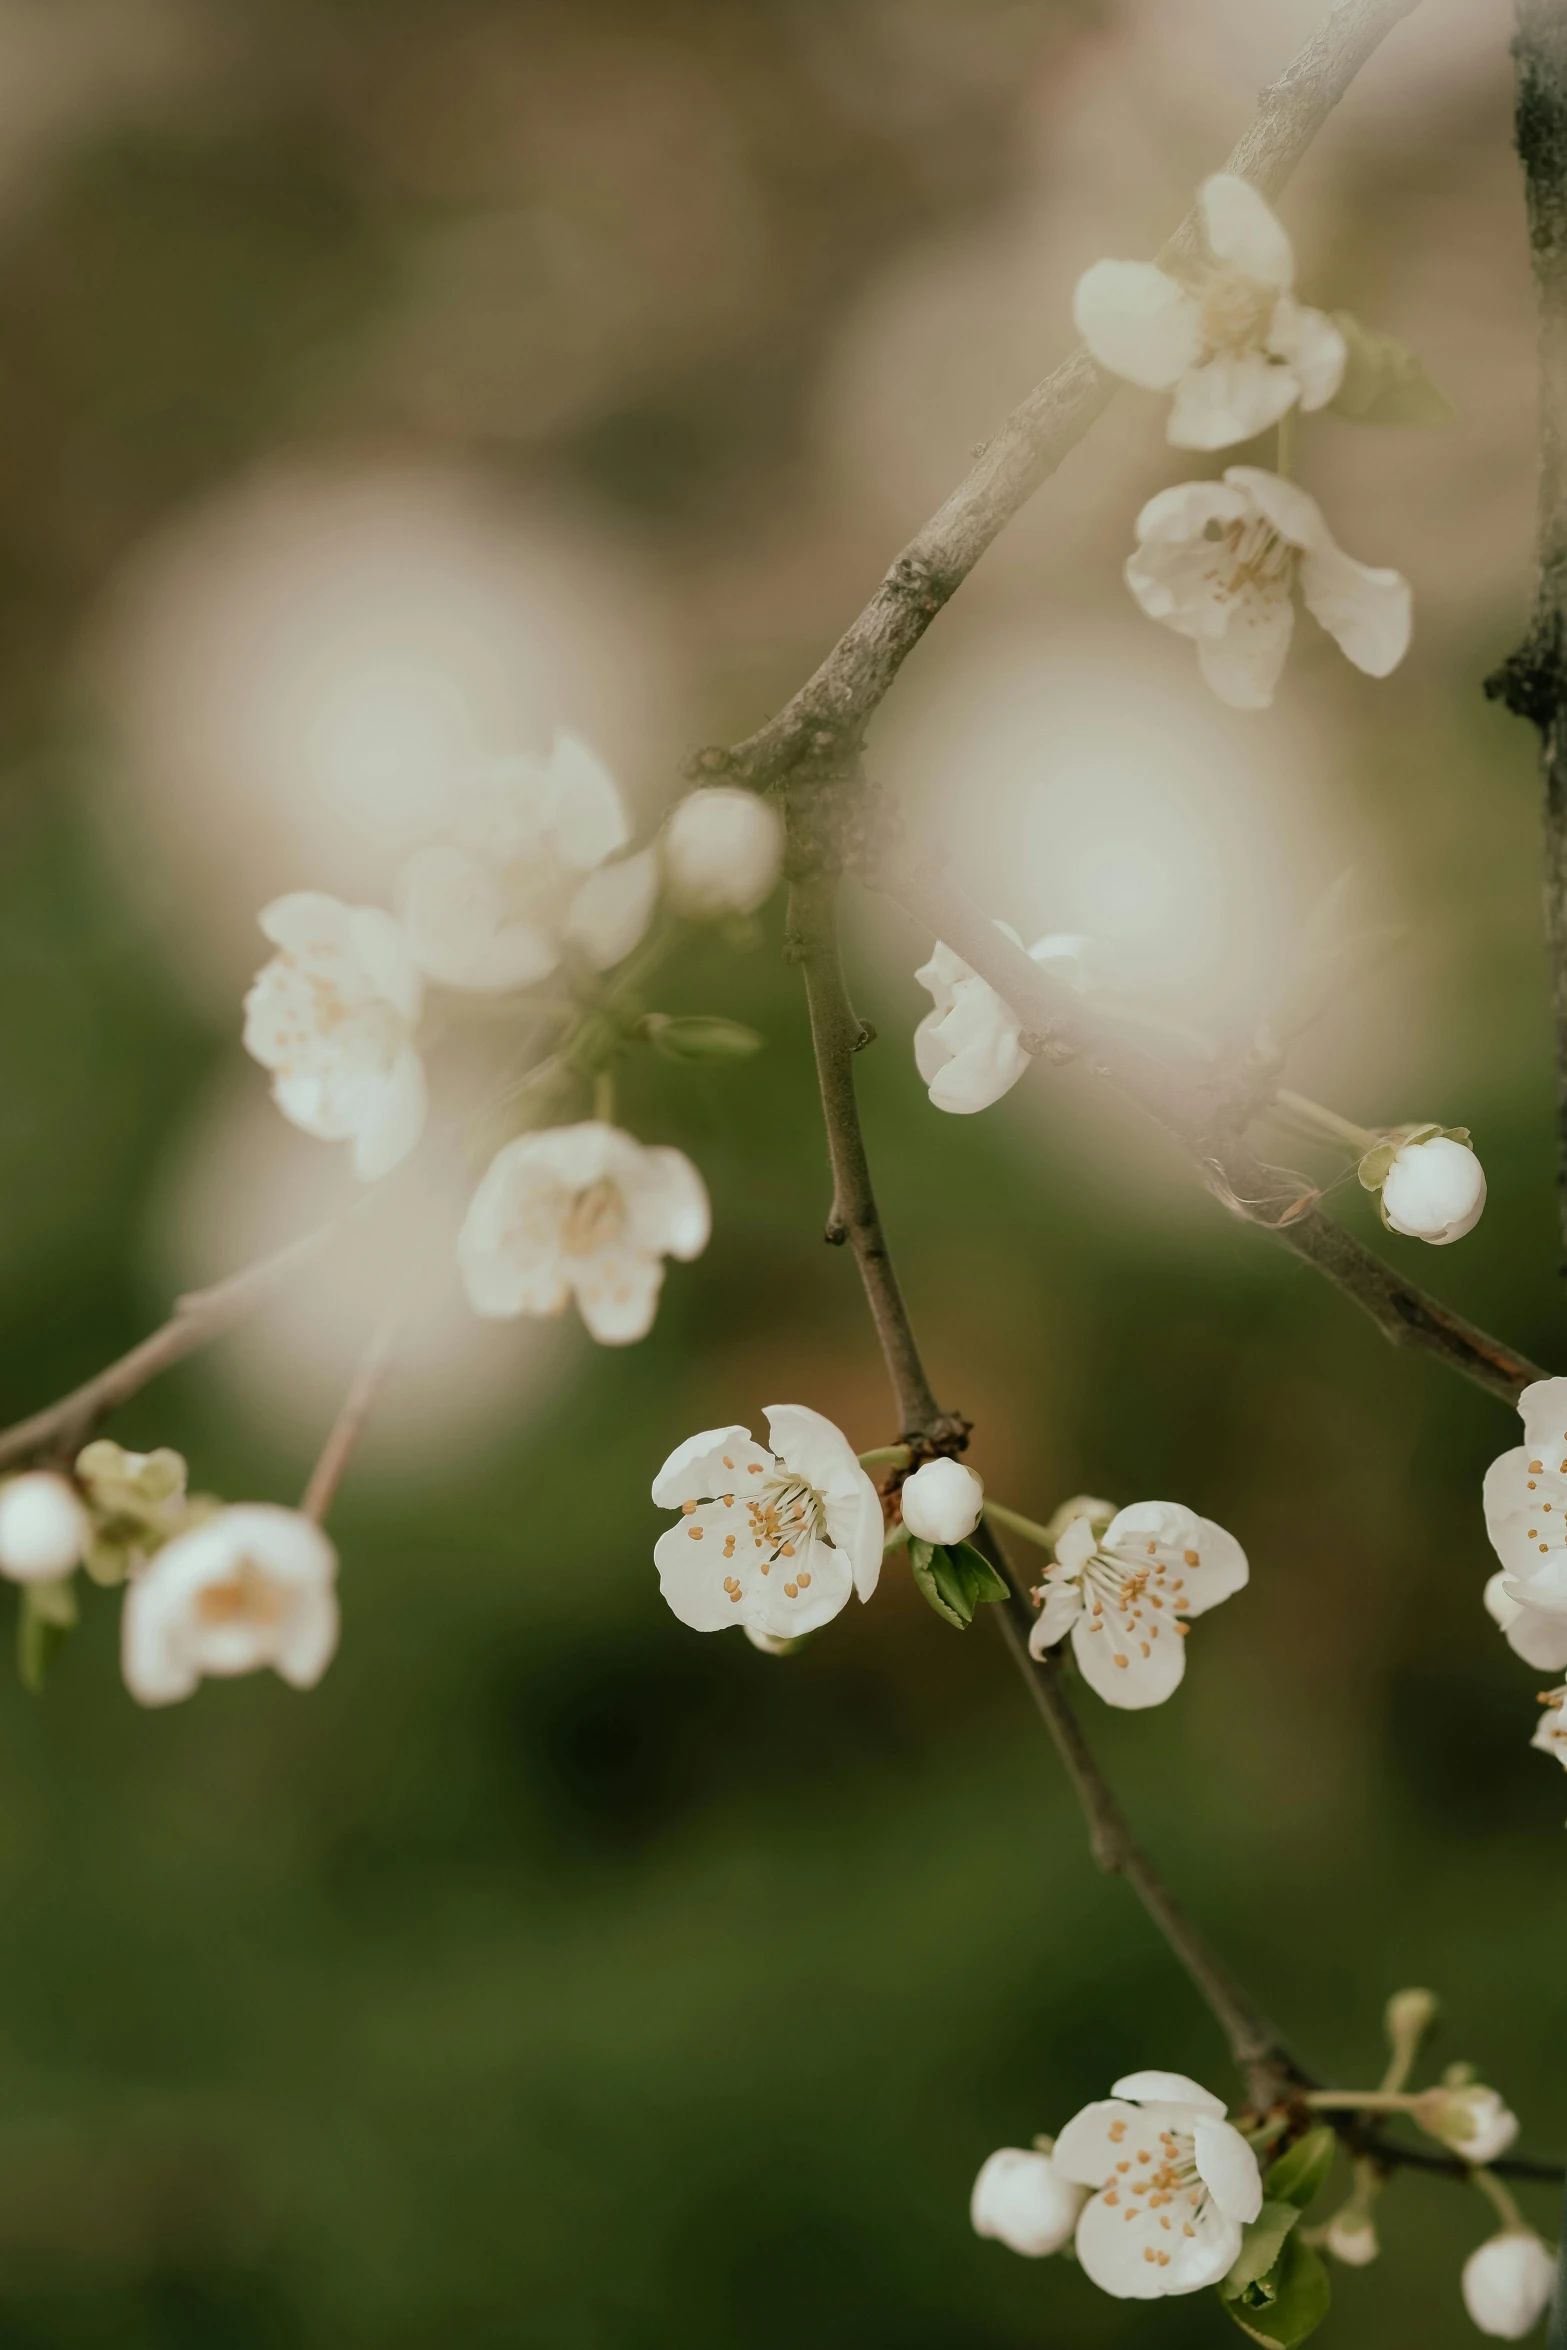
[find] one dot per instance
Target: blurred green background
(551, 1975)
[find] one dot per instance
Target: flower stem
(1018, 1523)
(1286, 444)
(604, 1097)
(1497, 2196)
(1322, 1125)
(886, 1456)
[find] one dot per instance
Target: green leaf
(983, 1582)
(939, 1589)
(1288, 2304)
(1262, 2240)
(47, 1613)
(1384, 382)
(1300, 2172)
(701, 1037)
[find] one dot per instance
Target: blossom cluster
(1525, 1502)
(532, 880)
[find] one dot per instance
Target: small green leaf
(984, 1584)
(702, 1037)
(1262, 2240)
(1287, 2305)
(48, 1612)
(1301, 2171)
(941, 1589)
(1384, 382)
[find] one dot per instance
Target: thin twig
(205, 1314)
(825, 721)
(349, 1425)
(1206, 1111)
(1534, 681)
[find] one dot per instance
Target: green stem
(1323, 1125)
(1018, 1524)
(1360, 2101)
(1497, 2196)
(604, 1097)
(886, 1456)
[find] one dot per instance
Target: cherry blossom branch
(1208, 1110)
(1534, 681)
(823, 724)
(62, 1428)
(349, 1425)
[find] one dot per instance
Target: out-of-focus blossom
(1174, 2185)
(776, 1540)
(43, 1527)
(1125, 1596)
(333, 1016)
(1217, 561)
(527, 870)
(723, 850)
(1025, 2202)
(1233, 344)
(586, 1212)
(942, 1502)
(1507, 2284)
(1551, 1731)
(253, 1586)
(967, 1047)
(1351, 2236)
(1525, 1502)
(1470, 2118)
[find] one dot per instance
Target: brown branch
(1208, 1112)
(349, 1425)
(825, 721)
(62, 1428)
(1534, 682)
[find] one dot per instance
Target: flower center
(785, 1516)
(1134, 1596)
(595, 1219)
(1235, 311)
(1166, 2189)
(245, 1597)
(1249, 553)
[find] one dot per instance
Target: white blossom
(1551, 1731)
(43, 1527)
(1232, 342)
(333, 1016)
(1217, 561)
(1351, 2236)
(1508, 2282)
(1434, 1190)
(252, 1586)
(529, 867)
(586, 1212)
(1470, 2118)
(1125, 1596)
(773, 1539)
(942, 1502)
(723, 850)
(1025, 2202)
(1525, 1501)
(967, 1047)
(1174, 2185)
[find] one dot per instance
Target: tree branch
(1534, 681)
(1207, 1111)
(62, 1428)
(349, 1425)
(825, 721)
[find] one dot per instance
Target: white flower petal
(1434, 1190)
(1228, 2168)
(611, 911)
(43, 1527)
(391, 1130)
(1543, 1410)
(1160, 2088)
(1538, 1635)
(1023, 2201)
(381, 944)
(1312, 347)
(1230, 399)
(1369, 613)
(617, 1293)
(1244, 664)
(978, 1034)
(590, 816)
(1242, 228)
(719, 1460)
(1508, 2283)
(854, 1521)
(1137, 322)
(815, 1449)
(667, 1202)
(453, 917)
(1106, 2133)
(1063, 1605)
(1110, 1651)
(1124, 2258)
(942, 1501)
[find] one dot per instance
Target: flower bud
(1507, 2284)
(723, 848)
(1352, 2236)
(1472, 2120)
(1022, 2200)
(1434, 1190)
(942, 1501)
(1409, 2015)
(1082, 1505)
(43, 1527)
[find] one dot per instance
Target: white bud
(769, 1642)
(1352, 2236)
(1507, 2284)
(1470, 2118)
(942, 1501)
(1434, 1190)
(1022, 2200)
(43, 1528)
(722, 852)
